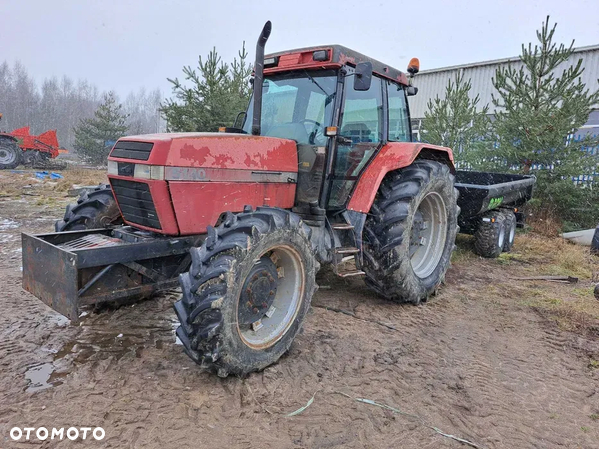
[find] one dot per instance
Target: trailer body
(481, 192)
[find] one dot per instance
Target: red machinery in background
(20, 147)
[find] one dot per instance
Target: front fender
(393, 156)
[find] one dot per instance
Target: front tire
(95, 209)
(11, 154)
(247, 292)
(410, 232)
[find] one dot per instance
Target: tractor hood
(224, 151)
(181, 183)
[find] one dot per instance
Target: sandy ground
(481, 361)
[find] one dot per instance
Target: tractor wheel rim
(7, 157)
(428, 235)
(274, 323)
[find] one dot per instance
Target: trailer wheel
(410, 232)
(595, 243)
(247, 292)
(510, 230)
(490, 236)
(95, 209)
(10, 154)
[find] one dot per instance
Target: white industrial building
(432, 83)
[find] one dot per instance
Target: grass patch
(464, 251)
(24, 182)
(555, 256)
(79, 176)
(572, 307)
(509, 258)
(575, 313)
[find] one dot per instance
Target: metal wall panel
(432, 83)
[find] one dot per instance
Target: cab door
(360, 135)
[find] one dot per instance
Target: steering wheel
(317, 131)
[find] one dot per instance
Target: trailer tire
(11, 154)
(510, 229)
(489, 238)
(252, 264)
(595, 242)
(95, 209)
(398, 266)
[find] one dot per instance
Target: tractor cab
(340, 107)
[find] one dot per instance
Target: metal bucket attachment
(69, 269)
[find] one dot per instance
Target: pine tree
(94, 137)
(539, 107)
(217, 93)
(455, 120)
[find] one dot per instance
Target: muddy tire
(510, 229)
(489, 238)
(11, 154)
(410, 232)
(93, 210)
(247, 292)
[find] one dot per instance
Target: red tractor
(322, 171)
(20, 147)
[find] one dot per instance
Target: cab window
(361, 134)
(399, 126)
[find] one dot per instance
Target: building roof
(432, 83)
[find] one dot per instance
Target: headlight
(157, 172)
(142, 171)
(113, 168)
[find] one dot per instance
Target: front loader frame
(69, 269)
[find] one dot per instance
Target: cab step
(342, 226)
(347, 250)
(346, 274)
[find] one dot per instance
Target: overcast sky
(126, 44)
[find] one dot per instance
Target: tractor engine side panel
(198, 205)
(393, 156)
(216, 173)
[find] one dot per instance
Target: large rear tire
(11, 154)
(410, 232)
(247, 292)
(95, 209)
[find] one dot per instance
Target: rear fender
(393, 156)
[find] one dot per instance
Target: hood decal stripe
(207, 174)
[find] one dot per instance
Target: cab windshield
(296, 106)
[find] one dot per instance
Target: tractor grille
(132, 150)
(136, 203)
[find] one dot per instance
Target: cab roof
(336, 56)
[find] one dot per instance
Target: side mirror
(411, 91)
(363, 76)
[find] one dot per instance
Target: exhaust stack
(259, 77)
